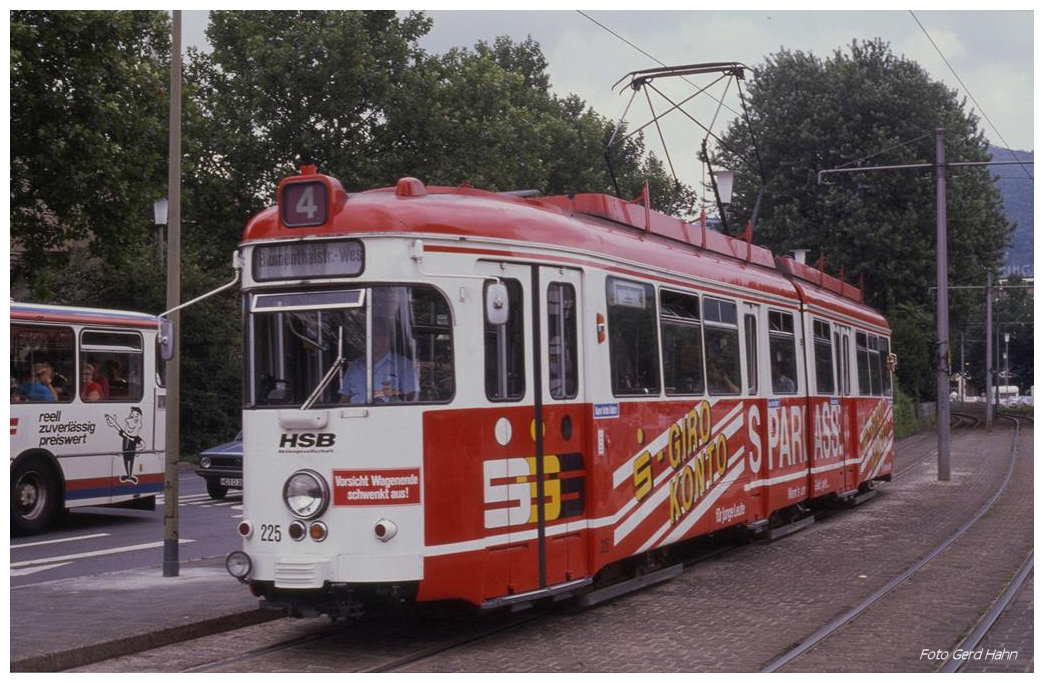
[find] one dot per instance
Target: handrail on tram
(237, 265)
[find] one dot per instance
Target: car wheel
(34, 496)
(216, 490)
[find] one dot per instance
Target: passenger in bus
(16, 393)
(89, 389)
(101, 380)
(394, 375)
(117, 384)
(40, 386)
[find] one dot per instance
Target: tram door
(843, 343)
(561, 413)
(543, 391)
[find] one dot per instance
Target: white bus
(87, 411)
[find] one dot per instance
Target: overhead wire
(968, 92)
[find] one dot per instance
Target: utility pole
(943, 307)
(963, 378)
(943, 313)
(171, 564)
(989, 350)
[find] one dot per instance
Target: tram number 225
(510, 491)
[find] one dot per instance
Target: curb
(90, 654)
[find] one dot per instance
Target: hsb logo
(307, 440)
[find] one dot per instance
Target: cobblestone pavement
(738, 611)
(1008, 647)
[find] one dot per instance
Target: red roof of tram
(582, 228)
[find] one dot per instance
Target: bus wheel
(34, 497)
(216, 490)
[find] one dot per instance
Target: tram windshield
(369, 346)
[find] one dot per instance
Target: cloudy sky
(990, 52)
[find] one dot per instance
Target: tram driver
(394, 374)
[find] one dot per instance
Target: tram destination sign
(300, 260)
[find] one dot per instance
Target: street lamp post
(1007, 367)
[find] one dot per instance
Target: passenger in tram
(394, 375)
(719, 382)
(89, 389)
(783, 384)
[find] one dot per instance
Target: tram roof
(27, 312)
(595, 224)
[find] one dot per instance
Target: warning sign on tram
(376, 487)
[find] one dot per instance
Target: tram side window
(721, 337)
(782, 352)
(824, 355)
(750, 329)
(633, 344)
(682, 344)
(43, 361)
(430, 316)
(884, 347)
(561, 333)
(868, 362)
(116, 364)
(506, 351)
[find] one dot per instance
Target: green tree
(866, 107)
(487, 116)
(89, 125)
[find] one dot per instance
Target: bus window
(682, 344)
(506, 351)
(563, 373)
(633, 346)
(824, 355)
(376, 346)
(116, 360)
(721, 336)
(42, 364)
(782, 353)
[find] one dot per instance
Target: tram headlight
(238, 564)
(305, 494)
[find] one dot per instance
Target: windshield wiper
(338, 364)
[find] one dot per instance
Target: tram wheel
(34, 496)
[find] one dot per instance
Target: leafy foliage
(88, 135)
(868, 107)
(351, 92)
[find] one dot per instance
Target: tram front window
(374, 346)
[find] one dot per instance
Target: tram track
(789, 659)
(982, 629)
(402, 641)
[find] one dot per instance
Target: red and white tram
(452, 394)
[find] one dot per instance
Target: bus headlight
(238, 564)
(305, 494)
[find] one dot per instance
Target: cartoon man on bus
(132, 442)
